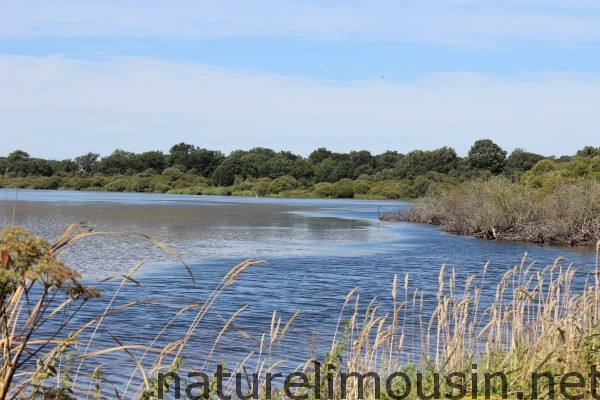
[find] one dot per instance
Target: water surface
(316, 252)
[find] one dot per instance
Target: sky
(81, 76)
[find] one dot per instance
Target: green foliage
(119, 162)
(172, 174)
(17, 162)
(521, 161)
(327, 171)
(390, 189)
(17, 156)
(487, 155)
(262, 171)
(387, 160)
(345, 188)
(155, 160)
(420, 162)
(361, 186)
(87, 162)
(50, 182)
(326, 189)
(282, 184)
(548, 174)
(319, 155)
(588, 151)
(118, 185)
(544, 166)
(225, 173)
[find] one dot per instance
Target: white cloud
(56, 107)
(456, 22)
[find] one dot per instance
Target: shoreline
(509, 234)
(220, 191)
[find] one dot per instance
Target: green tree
(66, 166)
(319, 155)
(18, 155)
(362, 162)
(486, 155)
(255, 164)
(206, 161)
(263, 151)
(521, 161)
(225, 173)
(344, 167)
(18, 162)
(151, 159)
(588, 151)
(326, 171)
(189, 157)
(39, 167)
(181, 154)
(388, 160)
(237, 164)
(280, 165)
(88, 162)
(419, 162)
(303, 168)
(119, 162)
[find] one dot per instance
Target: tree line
(187, 168)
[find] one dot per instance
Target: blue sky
(297, 75)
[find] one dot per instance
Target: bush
(172, 174)
(361, 186)
(161, 187)
(137, 184)
(326, 189)
(345, 188)
(390, 189)
(51, 182)
(118, 185)
(282, 184)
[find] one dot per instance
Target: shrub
(326, 189)
(345, 188)
(282, 184)
(118, 185)
(51, 182)
(172, 174)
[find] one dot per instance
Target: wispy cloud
(456, 22)
(141, 104)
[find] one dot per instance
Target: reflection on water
(197, 227)
(316, 252)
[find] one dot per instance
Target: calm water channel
(316, 251)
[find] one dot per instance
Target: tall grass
(534, 320)
(47, 353)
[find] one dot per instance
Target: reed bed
(538, 321)
(535, 321)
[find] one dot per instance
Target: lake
(316, 252)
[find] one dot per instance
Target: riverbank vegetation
(553, 203)
(535, 333)
(264, 172)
